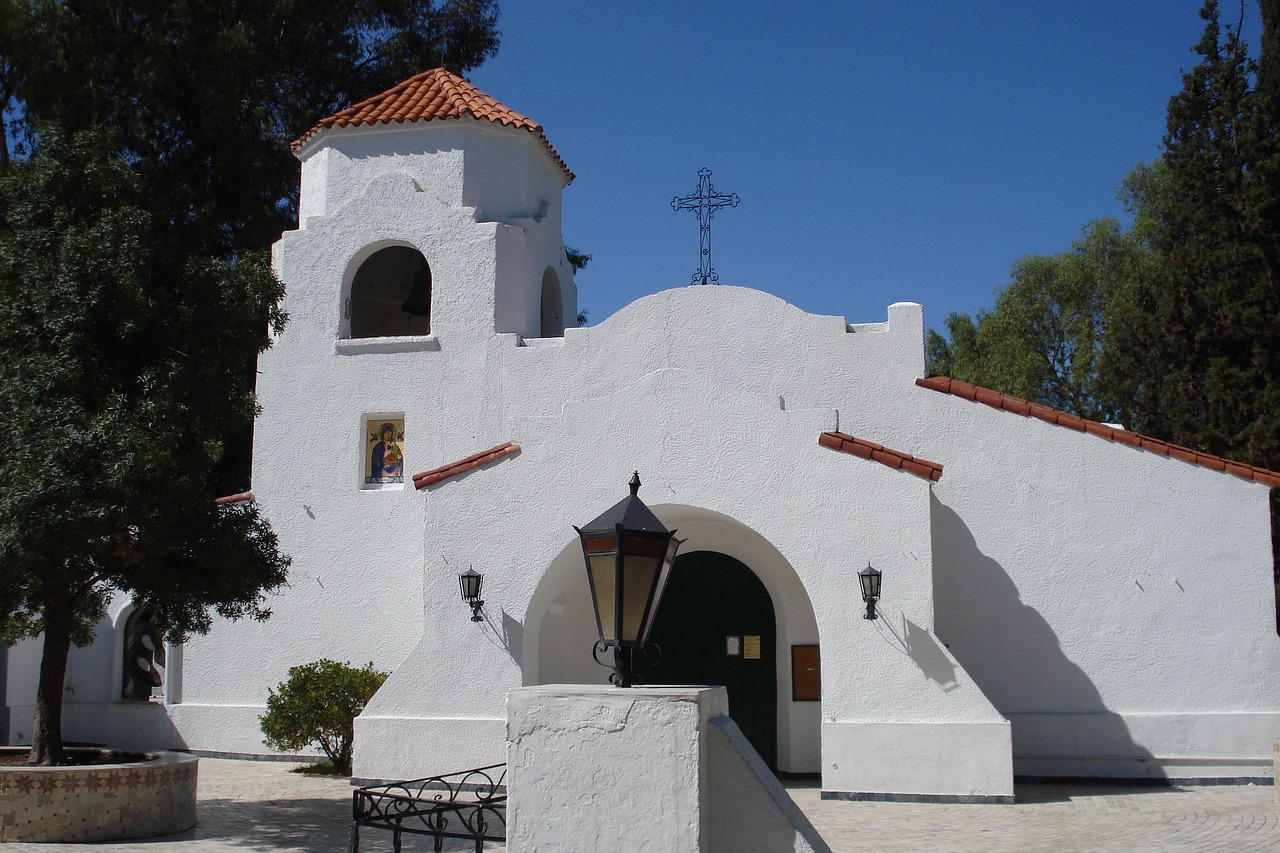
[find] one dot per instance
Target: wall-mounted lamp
(869, 578)
(470, 582)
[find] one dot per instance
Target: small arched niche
(144, 658)
(552, 306)
(390, 295)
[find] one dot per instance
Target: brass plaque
(806, 675)
(750, 647)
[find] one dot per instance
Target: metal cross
(705, 201)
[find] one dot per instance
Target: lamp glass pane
(870, 580)
(601, 566)
(469, 585)
(664, 573)
(639, 573)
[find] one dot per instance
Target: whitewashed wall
(1115, 605)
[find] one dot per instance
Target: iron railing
(469, 805)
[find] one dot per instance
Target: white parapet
(652, 768)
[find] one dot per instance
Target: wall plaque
(806, 674)
(751, 647)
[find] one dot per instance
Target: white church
(1060, 598)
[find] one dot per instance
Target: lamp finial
(635, 482)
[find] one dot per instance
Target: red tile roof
(429, 96)
(238, 498)
(453, 469)
(997, 400)
(878, 453)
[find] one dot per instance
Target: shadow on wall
(919, 645)
(1014, 656)
(506, 633)
(513, 638)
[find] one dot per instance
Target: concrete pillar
(603, 768)
(642, 769)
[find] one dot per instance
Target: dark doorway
(716, 626)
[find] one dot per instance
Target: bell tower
(428, 211)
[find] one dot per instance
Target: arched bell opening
(552, 306)
(390, 295)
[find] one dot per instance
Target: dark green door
(715, 625)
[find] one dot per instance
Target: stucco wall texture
(1056, 604)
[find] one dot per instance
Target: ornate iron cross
(706, 201)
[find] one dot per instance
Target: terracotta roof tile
(453, 469)
(878, 453)
(1100, 430)
(1130, 438)
(432, 95)
(238, 498)
(996, 400)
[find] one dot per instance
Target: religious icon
(384, 451)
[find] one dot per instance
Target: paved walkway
(262, 807)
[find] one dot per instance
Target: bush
(318, 705)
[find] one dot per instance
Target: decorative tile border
(104, 802)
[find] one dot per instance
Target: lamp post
(869, 579)
(628, 554)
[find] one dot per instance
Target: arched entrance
(558, 629)
(716, 625)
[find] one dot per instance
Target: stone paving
(261, 806)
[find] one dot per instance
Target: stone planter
(99, 802)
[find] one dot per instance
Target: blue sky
(885, 151)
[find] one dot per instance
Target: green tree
(318, 705)
(120, 373)
(1053, 330)
(1206, 357)
(204, 97)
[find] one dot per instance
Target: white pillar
(604, 768)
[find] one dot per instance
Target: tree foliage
(1053, 334)
(204, 97)
(318, 706)
(1206, 356)
(121, 372)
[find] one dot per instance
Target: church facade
(1060, 598)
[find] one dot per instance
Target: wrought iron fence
(470, 805)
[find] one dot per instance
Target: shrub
(318, 705)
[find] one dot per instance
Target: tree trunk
(46, 733)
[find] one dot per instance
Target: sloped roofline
(434, 95)
(462, 466)
(1017, 406)
(896, 459)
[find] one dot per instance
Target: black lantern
(469, 583)
(869, 578)
(628, 555)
